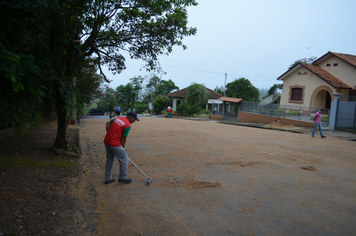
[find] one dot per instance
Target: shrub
(141, 108)
(160, 103)
(206, 111)
(195, 109)
(183, 108)
(187, 110)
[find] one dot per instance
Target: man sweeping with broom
(115, 139)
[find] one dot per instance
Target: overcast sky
(255, 39)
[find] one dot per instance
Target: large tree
(109, 29)
(242, 88)
(54, 38)
(197, 94)
(126, 95)
(165, 87)
(157, 87)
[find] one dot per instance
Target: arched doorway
(321, 98)
(328, 100)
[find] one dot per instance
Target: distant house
(178, 97)
(313, 85)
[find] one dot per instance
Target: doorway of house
(328, 100)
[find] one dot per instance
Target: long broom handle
(138, 168)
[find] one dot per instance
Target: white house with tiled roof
(313, 85)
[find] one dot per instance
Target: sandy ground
(219, 179)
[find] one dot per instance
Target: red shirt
(118, 128)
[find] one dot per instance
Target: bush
(160, 103)
(195, 109)
(206, 111)
(187, 110)
(141, 108)
(183, 108)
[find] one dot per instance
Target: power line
(211, 72)
(192, 67)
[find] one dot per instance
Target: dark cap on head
(133, 114)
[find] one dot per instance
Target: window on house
(327, 65)
(335, 64)
(297, 94)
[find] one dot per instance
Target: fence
(346, 114)
(216, 109)
(285, 111)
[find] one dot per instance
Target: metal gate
(346, 114)
(231, 111)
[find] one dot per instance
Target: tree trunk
(74, 112)
(62, 131)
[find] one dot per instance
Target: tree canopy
(45, 44)
(157, 87)
(242, 88)
(197, 94)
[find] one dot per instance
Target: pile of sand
(280, 125)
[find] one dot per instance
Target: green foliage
(44, 45)
(188, 110)
(107, 101)
(304, 60)
(157, 87)
(160, 103)
(165, 87)
(183, 108)
(274, 89)
(242, 88)
(206, 111)
(194, 109)
(136, 83)
(141, 108)
(87, 109)
(88, 87)
(206, 116)
(197, 94)
(323, 118)
(126, 95)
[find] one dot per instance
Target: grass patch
(207, 116)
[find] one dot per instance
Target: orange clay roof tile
(326, 76)
(351, 59)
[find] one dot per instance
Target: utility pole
(225, 84)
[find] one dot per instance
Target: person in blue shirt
(118, 110)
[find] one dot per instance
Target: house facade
(313, 85)
(178, 97)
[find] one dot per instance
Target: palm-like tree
(197, 94)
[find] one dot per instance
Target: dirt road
(218, 179)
